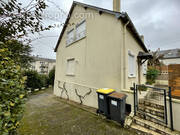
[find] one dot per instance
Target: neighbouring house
(42, 65)
(98, 48)
(168, 57)
(171, 56)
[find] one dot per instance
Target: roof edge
(118, 15)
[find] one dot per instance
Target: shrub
(52, 77)
(152, 75)
(35, 80)
(44, 80)
(142, 88)
(12, 93)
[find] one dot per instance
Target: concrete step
(141, 130)
(150, 117)
(152, 110)
(151, 104)
(153, 126)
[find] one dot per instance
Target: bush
(142, 88)
(35, 80)
(12, 93)
(152, 75)
(44, 80)
(52, 77)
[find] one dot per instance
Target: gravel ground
(46, 114)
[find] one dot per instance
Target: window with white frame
(144, 68)
(132, 65)
(70, 70)
(70, 37)
(81, 30)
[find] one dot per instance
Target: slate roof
(170, 54)
(44, 59)
(118, 15)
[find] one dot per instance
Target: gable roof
(170, 54)
(118, 15)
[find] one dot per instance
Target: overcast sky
(157, 20)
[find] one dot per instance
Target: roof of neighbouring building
(170, 54)
(44, 59)
(118, 15)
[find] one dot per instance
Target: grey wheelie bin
(103, 103)
(117, 107)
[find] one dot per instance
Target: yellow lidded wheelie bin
(103, 103)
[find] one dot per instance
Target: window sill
(131, 76)
(75, 41)
(70, 75)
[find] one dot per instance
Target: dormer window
(81, 30)
(70, 37)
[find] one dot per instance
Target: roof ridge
(76, 2)
(35, 57)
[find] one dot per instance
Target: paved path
(46, 115)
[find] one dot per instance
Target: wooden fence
(174, 79)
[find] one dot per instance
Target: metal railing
(156, 96)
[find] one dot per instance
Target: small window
(81, 30)
(132, 65)
(70, 37)
(70, 67)
(144, 68)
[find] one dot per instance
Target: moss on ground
(45, 115)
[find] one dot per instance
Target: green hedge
(52, 77)
(35, 80)
(12, 93)
(44, 80)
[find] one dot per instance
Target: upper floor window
(81, 30)
(70, 37)
(42, 62)
(131, 64)
(79, 33)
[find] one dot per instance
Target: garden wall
(163, 76)
(176, 113)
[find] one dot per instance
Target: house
(98, 48)
(167, 57)
(171, 56)
(42, 65)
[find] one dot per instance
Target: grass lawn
(46, 114)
